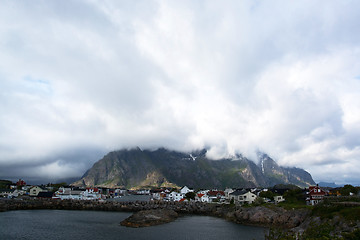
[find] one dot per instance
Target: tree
(294, 196)
(267, 194)
(190, 195)
(56, 186)
(347, 189)
(258, 201)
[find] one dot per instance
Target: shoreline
(254, 216)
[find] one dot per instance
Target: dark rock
(264, 216)
(148, 218)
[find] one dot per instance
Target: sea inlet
(75, 224)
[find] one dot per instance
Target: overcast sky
(81, 78)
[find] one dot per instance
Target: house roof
(33, 187)
(239, 192)
(315, 190)
(45, 194)
(215, 193)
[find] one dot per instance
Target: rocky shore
(261, 216)
(146, 218)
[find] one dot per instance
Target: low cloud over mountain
(80, 79)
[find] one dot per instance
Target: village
(241, 196)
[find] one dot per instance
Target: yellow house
(34, 191)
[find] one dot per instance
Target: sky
(79, 79)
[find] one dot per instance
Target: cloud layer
(80, 79)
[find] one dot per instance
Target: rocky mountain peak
(135, 168)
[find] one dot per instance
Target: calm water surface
(63, 224)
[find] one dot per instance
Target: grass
(293, 205)
(330, 211)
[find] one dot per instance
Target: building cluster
(79, 194)
(237, 196)
(312, 195)
(21, 189)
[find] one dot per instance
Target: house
(174, 196)
(185, 190)
(11, 193)
(235, 194)
(6, 193)
(143, 192)
(91, 194)
(257, 191)
(335, 192)
(242, 196)
(278, 199)
(315, 195)
(20, 183)
(227, 192)
(158, 194)
(201, 197)
(18, 193)
(216, 196)
(68, 193)
(120, 192)
(34, 191)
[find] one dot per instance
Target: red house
(21, 183)
(315, 195)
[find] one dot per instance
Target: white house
(201, 197)
(243, 196)
(216, 196)
(175, 196)
(185, 190)
(278, 199)
(119, 192)
(68, 193)
(248, 197)
(6, 193)
(143, 192)
(91, 194)
(227, 192)
(158, 195)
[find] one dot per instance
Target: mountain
(328, 184)
(281, 175)
(138, 168)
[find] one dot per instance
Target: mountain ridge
(136, 168)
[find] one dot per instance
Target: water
(131, 198)
(70, 224)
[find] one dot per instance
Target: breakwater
(261, 216)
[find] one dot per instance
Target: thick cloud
(83, 78)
